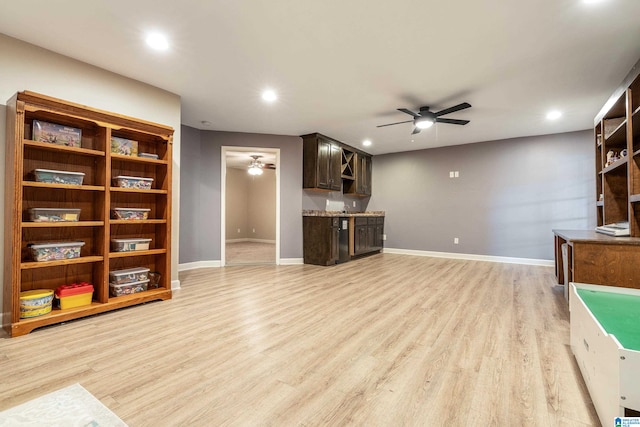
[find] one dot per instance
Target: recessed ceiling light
(269, 95)
(157, 41)
(554, 115)
(592, 1)
(366, 143)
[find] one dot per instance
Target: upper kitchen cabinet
(322, 159)
(361, 184)
(330, 165)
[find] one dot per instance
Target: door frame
(223, 196)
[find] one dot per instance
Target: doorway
(250, 199)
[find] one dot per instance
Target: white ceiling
(342, 67)
(242, 159)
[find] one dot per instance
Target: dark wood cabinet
(322, 160)
(321, 240)
(363, 174)
(329, 165)
(367, 234)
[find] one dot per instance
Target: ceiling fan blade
(453, 109)
(416, 130)
(452, 121)
(409, 112)
(397, 123)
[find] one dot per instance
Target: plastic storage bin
(35, 303)
(124, 146)
(54, 214)
(55, 251)
(136, 182)
(75, 295)
(127, 288)
(130, 275)
(126, 245)
(148, 155)
(56, 134)
(58, 177)
(133, 214)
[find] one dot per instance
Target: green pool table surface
(618, 314)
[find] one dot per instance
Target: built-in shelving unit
(617, 132)
(96, 197)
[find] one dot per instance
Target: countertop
(591, 236)
(340, 213)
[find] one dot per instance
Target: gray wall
(508, 198)
(200, 203)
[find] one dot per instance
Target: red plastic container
(74, 295)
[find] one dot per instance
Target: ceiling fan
(425, 118)
(256, 166)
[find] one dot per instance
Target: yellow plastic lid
(36, 293)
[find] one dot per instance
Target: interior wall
(27, 67)
(262, 206)
(237, 204)
(203, 178)
(509, 195)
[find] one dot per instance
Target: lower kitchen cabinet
(321, 236)
(367, 234)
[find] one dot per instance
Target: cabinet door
(363, 175)
(335, 244)
(328, 165)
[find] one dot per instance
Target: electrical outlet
(238, 230)
(451, 175)
(254, 230)
(384, 237)
(455, 241)
(354, 203)
(456, 174)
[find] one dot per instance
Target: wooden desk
(599, 259)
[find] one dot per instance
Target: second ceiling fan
(425, 118)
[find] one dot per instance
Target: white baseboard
(291, 261)
(472, 257)
(175, 284)
(216, 264)
(198, 264)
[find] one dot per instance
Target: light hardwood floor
(243, 253)
(388, 340)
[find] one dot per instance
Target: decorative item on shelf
(599, 139)
(612, 157)
(126, 147)
(56, 134)
(154, 280)
(601, 197)
(623, 153)
(148, 155)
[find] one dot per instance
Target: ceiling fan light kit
(425, 118)
(255, 168)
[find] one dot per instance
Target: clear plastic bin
(54, 214)
(127, 288)
(133, 214)
(58, 177)
(148, 155)
(55, 251)
(126, 245)
(129, 275)
(136, 182)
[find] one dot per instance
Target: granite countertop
(340, 213)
